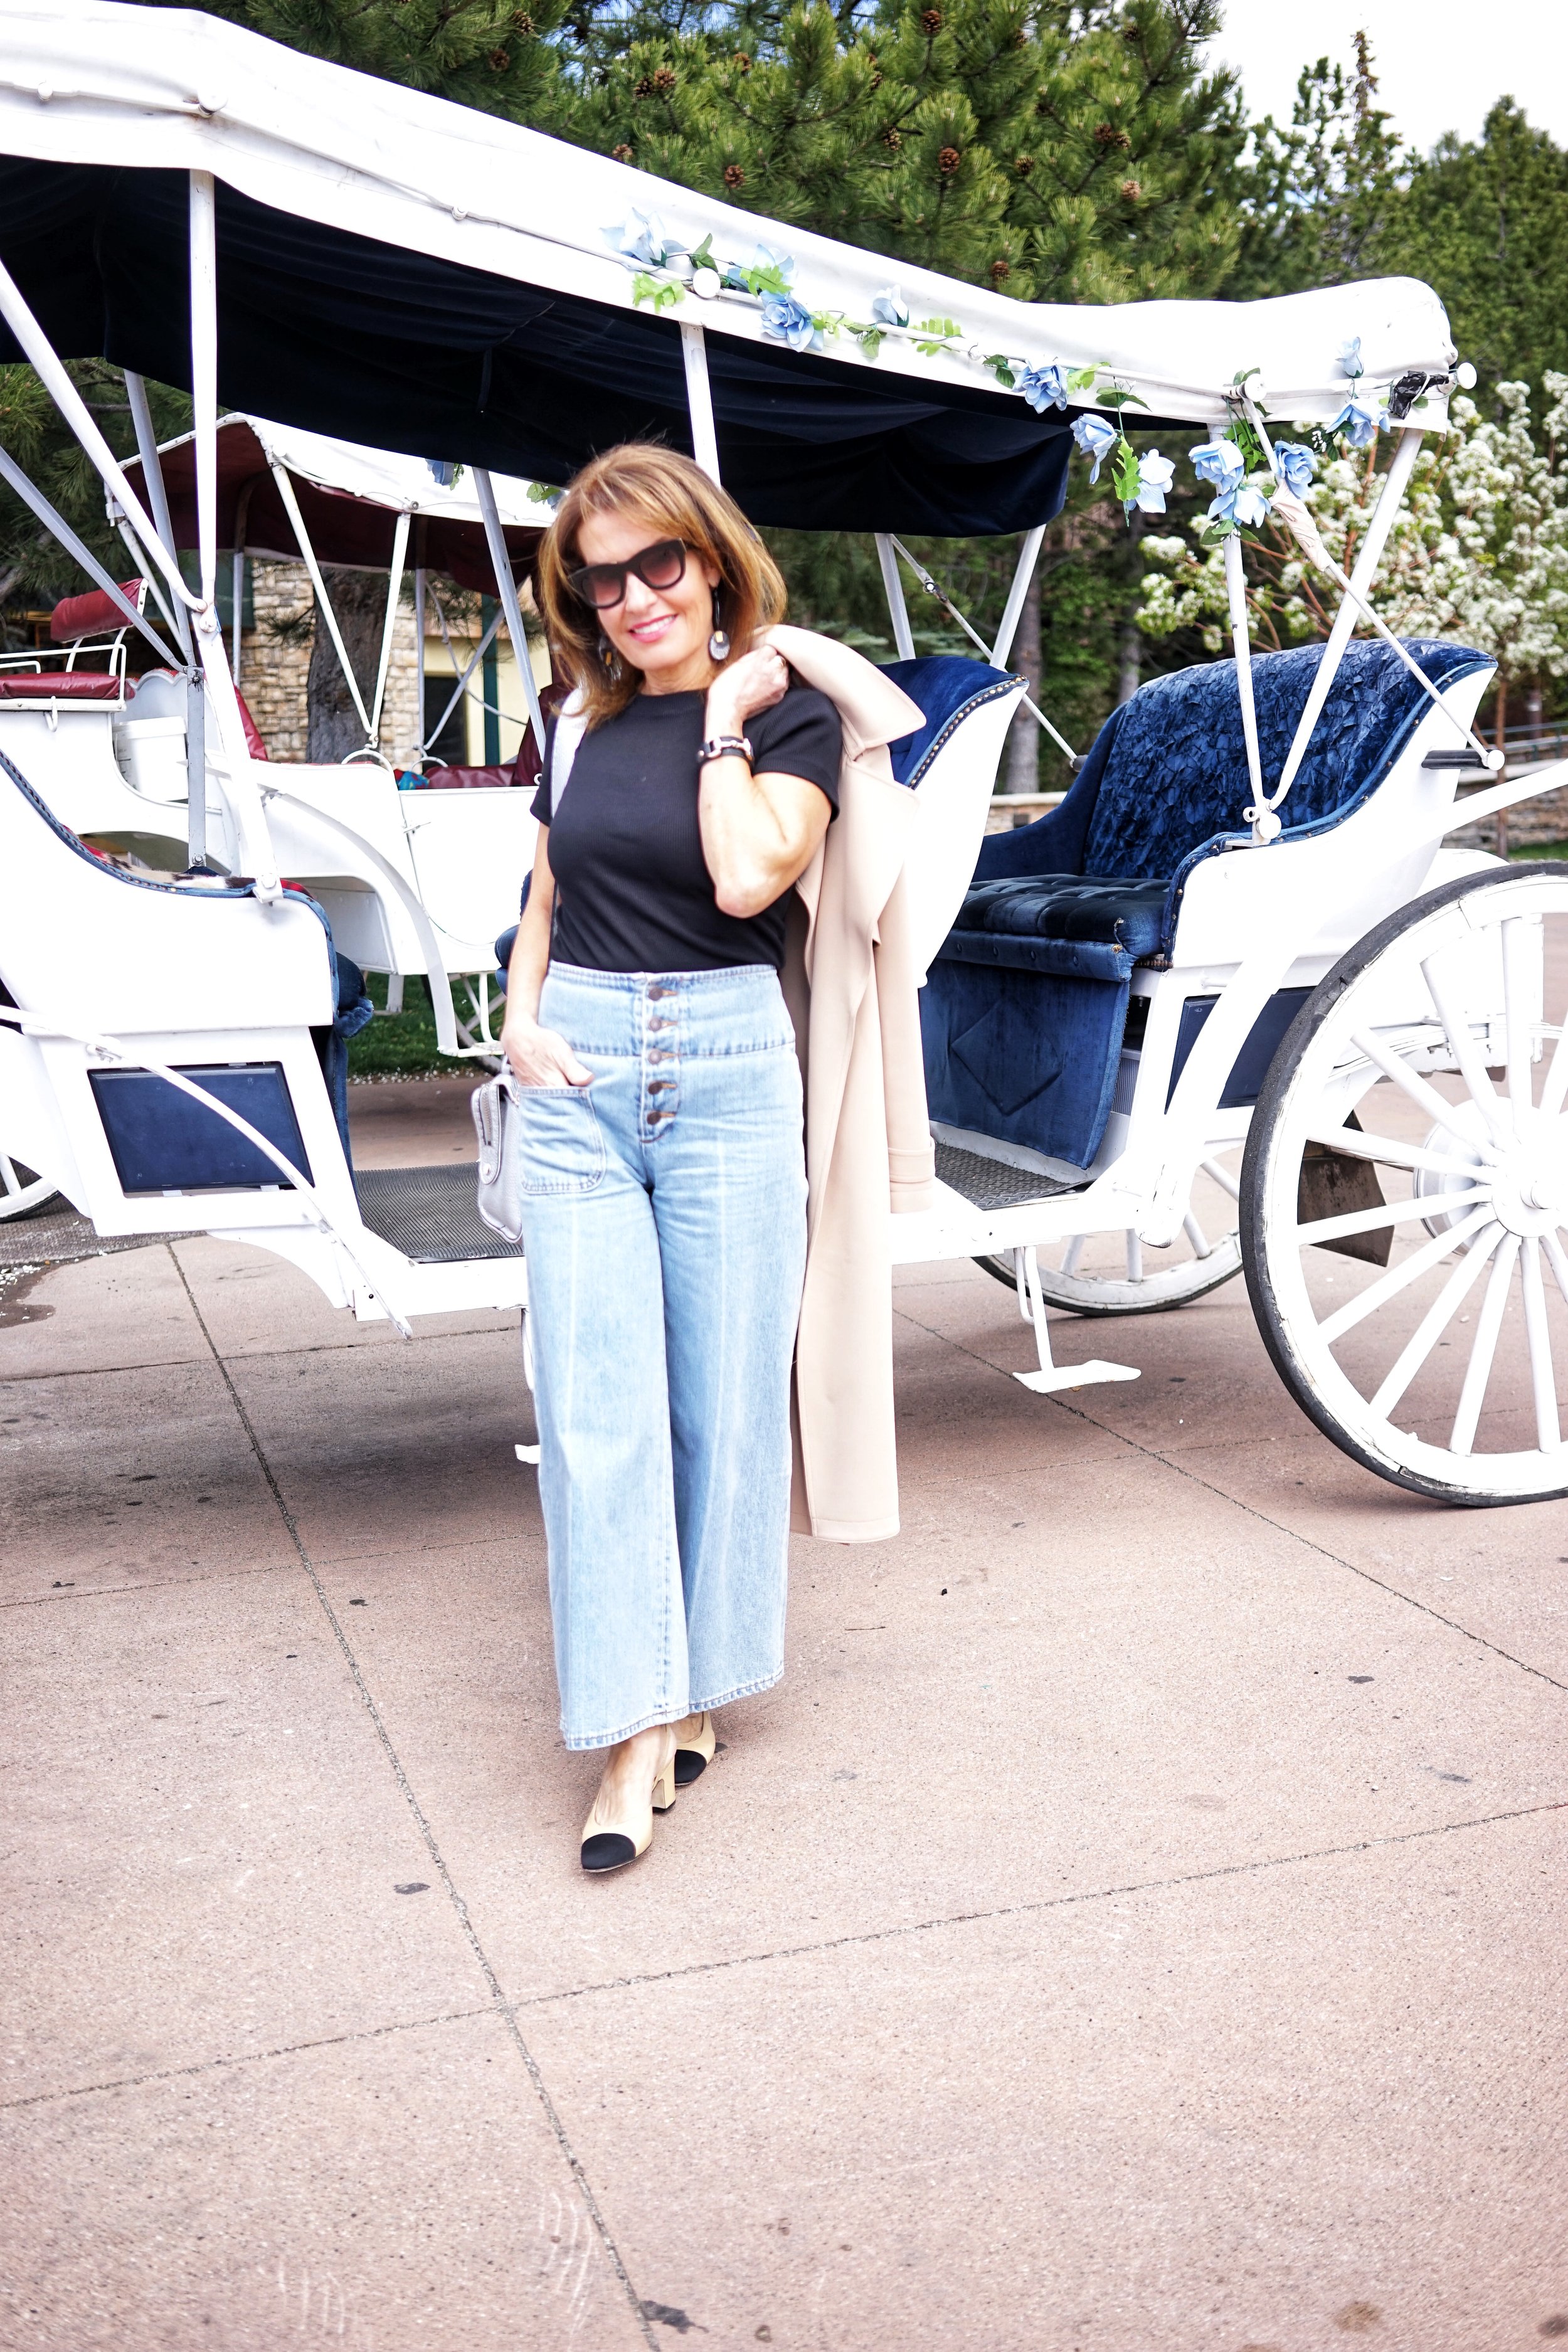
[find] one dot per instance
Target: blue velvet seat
(947, 687)
(1025, 1004)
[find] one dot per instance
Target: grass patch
(1556, 849)
(403, 1045)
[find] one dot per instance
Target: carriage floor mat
(428, 1214)
(993, 1183)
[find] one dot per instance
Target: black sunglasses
(604, 585)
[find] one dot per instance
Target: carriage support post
(893, 589)
(1012, 612)
(505, 589)
(700, 401)
(1366, 564)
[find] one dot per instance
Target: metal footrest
(429, 1214)
(994, 1184)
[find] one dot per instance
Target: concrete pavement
(1135, 1925)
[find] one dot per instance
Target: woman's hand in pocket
(540, 1057)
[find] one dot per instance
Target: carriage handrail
(413, 905)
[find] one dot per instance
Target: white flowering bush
(1479, 553)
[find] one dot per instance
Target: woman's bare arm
(759, 832)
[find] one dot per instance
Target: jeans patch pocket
(562, 1149)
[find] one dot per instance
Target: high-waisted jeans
(664, 1224)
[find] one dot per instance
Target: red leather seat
(58, 685)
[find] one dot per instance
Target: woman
(664, 1177)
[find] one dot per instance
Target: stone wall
(275, 661)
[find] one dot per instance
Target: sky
(1439, 65)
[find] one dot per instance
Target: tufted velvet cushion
(1070, 906)
(947, 687)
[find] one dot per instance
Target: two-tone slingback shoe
(694, 1744)
(610, 1838)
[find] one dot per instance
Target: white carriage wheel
(1152, 1279)
(1443, 1032)
(22, 1193)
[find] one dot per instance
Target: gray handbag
(499, 1195)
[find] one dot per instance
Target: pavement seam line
(247, 2058)
(1169, 1462)
(254, 1355)
(154, 1584)
(1046, 1903)
(437, 1860)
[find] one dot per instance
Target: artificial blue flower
(1156, 475)
(890, 308)
(762, 257)
(444, 470)
(788, 321)
(1298, 467)
(1096, 439)
(1357, 422)
(641, 237)
(1242, 503)
(1219, 462)
(1350, 358)
(1043, 388)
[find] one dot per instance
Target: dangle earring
(611, 660)
(719, 643)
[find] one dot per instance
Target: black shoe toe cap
(608, 1850)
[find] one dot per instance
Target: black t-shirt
(632, 890)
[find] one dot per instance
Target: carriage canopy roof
(350, 498)
(397, 270)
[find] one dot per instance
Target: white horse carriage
(1236, 964)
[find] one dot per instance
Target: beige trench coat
(852, 987)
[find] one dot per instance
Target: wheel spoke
(1462, 1043)
(1558, 1261)
(1519, 1001)
(1435, 1321)
(1194, 1233)
(1444, 1114)
(1072, 1254)
(1135, 1256)
(1394, 1212)
(1549, 1435)
(8, 1181)
(1555, 1090)
(1222, 1178)
(1483, 1348)
(1399, 1277)
(1356, 1144)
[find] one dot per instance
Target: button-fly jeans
(664, 1226)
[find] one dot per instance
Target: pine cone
(664, 80)
(622, 154)
(931, 23)
(894, 138)
(1107, 134)
(498, 61)
(948, 162)
(733, 176)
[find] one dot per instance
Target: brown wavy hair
(676, 500)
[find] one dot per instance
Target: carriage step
(429, 1214)
(994, 1184)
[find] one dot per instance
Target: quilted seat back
(1168, 770)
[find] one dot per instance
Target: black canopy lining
(343, 335)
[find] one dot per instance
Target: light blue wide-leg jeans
(664, 1224)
